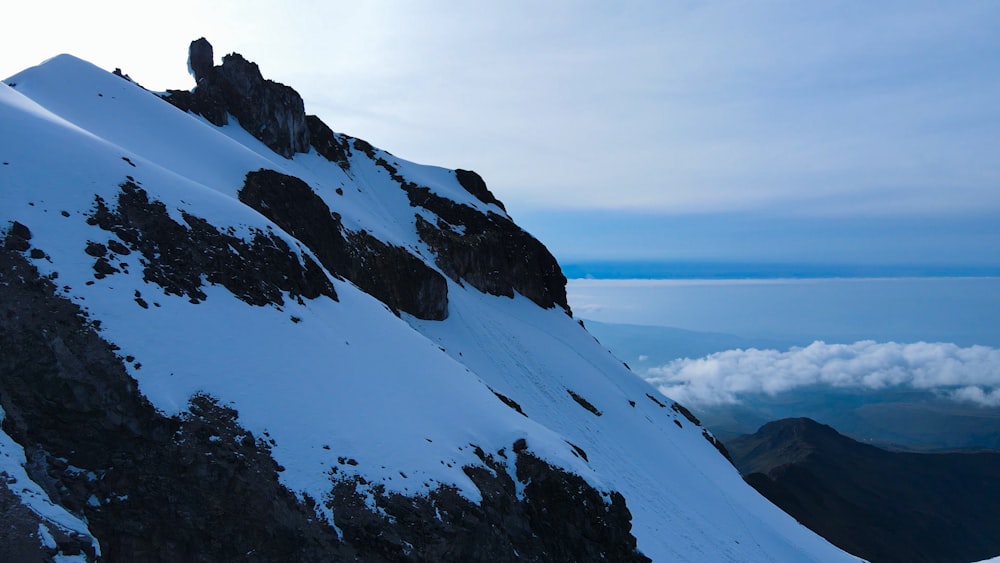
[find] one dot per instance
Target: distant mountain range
(884, 506)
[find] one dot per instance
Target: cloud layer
(969, 374)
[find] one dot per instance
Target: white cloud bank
(969, 374)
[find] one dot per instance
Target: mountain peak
(785, 441)
(802, 428)
(343, 354)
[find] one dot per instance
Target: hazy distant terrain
(865, 404)
(959, 310)
(905, 420)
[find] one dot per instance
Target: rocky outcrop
(268, 110)
(201, 59)
(389, 273)
(331, 146)
(559, 517)
(486, 250)
(179, 258)
(489, 252)
(475, 185)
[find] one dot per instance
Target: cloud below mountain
(970, 374)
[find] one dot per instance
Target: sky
(770, 131)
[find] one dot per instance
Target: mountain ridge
(369, 428)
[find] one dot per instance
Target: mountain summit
(228, 332)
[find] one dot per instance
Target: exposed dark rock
(102, 268)
(389, 273)
(118, 248)
(509, 402)
(96, 249)
(559, 518)
(396, 277)
(584, 403)
(328, 144)
(491, 253)
(364, 146)
(579, 451)
(118, 72)
(201, 59)
(495, 256)
(178, 257)
(683, 411)
(475, 185)
(270, 111)
(716, 443)
(18, 236)
(20, 231)
(679, 408)
(487, 250)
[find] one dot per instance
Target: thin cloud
(879, 108)
(970, 374)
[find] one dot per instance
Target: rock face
(201, 59)
(486, 250)
(389, 273)
(328, 144)
(492, 253)
(270, 111)
(476, 186)
(178, 258)
(556, 504)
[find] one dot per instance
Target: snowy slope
(407, 400)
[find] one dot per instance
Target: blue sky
(818, 131)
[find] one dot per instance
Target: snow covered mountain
(230, 333)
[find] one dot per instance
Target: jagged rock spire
(201, 59)
(270, 111)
